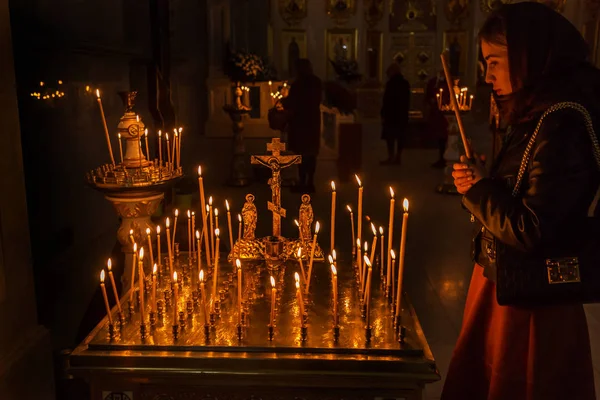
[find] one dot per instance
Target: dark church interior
(165, 125)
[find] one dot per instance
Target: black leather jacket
(556, 192)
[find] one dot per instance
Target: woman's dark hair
(546, 53)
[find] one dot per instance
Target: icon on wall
(292, 11)
(340, 11)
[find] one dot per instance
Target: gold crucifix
(276, 162)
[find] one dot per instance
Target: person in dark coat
(303, 106)
(535, 59)
(437, 125)
(394, 113)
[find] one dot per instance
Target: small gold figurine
(249, 216)
(306, 219)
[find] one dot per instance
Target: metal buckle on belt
(563, 270)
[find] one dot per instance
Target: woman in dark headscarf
(303, 106)
(535, 58)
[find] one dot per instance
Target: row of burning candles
(461, 98)
(173, 151)
(363, 264)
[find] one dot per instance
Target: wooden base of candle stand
(303, 333)
(271, 333)
(368, 333)
(336, 333)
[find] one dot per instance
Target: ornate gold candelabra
(136, 185)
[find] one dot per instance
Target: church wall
(25, 352)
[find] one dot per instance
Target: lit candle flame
(158, 229)
(299, 253)
(102, 276)
(333, 270)
(405, 205)
(227, 205)
(97, 92)
(333, 186)
(154, 269)
(207, 208)
(109, 264)
(141, 253)
(199, 170)
(148, 231)
(349, 208)
(159, 133)
(176, 212)
(366, 246)
(201, 276)
(217, 232)
(358, 180)
(381, 230)
(393, 254)
(146, 132)
(119, 136)
(373, 229)
(297, 278)
(330, 258)
(392, 192)
(317, 227)
(189, 213)
(240, 217)
(272, 281)
(210, 201)
(216, 212)
(238, 263)
(358, 243)
(167, 136)
(135, 247)
(334, 254)
(198, 235)
(297, 283)
(180, 129)
(297, 223)
(131, 232)
(175, 276)
(367, 261)
(167, 223)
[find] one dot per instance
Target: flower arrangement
(247, 67)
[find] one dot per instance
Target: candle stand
(353, 356)
(239, 162)
(136, 186)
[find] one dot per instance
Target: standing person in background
(437, 125)
(394, 113)
(304, 122)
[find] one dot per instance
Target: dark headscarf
(548, 60)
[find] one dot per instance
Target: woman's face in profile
(497, 71)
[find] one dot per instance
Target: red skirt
(514, 353)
